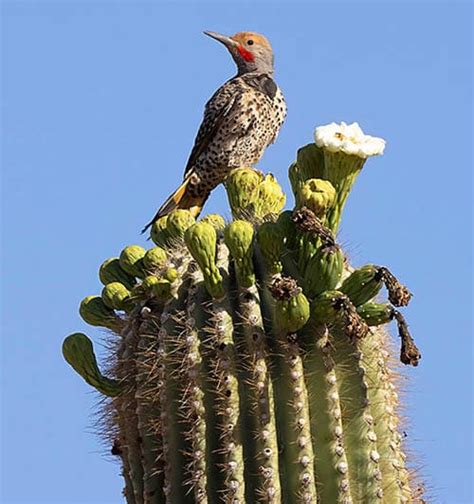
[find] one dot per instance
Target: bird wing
(217, 109)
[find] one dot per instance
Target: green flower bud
(292, 309)
(116, 296)
(149, 282)
(79, 353)
(142, 290)
(270, 198)
(238, 237)
(295, 179)
(309, 164)
(376, 314)
(326, 308)
(94, 312)
(154, 259)
(286, 224)
(241, 186)
(171, 274)
(162, 289)
(201, 240)
(292, 314)
(335, 308)
(131, 260)
(317, 195)
(159, 232)
(178, 221)
(111, 271)
(271, 239)
(215, 220)
(363, 284)
(323, 271)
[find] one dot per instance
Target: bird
(240, 120)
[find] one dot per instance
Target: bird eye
(250, 42)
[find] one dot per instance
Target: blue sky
(101, 102)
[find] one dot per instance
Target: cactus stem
(169, 393)
(227, 391)
(262, 439)
(128, 491)
(326, 424)
(395, 483)
(127, 409)
(291, 402)
(362, 454)
(193, 398)
(299, 448)
(148, 410)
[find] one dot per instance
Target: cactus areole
(248, 361)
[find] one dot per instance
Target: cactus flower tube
(345, 148)
(248, 361)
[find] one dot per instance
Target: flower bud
(317, 195)
(238, 237)
(131, 260)
(201, 240)
(79, 353)
(94, 312)
(178, 221)
(271, 238)
(116, 296)
(111, 271)
(154, 259)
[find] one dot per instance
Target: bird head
(251, 51)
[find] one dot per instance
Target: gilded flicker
(240, 120)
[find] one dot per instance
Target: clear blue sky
(102, 100)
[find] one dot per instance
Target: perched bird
(240, 120)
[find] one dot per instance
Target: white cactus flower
(348, 138)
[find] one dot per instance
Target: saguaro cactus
(250, 362)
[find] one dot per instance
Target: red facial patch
(247, 55)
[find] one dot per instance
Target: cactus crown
(251, 363)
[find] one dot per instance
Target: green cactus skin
(261, 438)
(375, 313)
(252, 364)
(127, 409)
(324, 270)
(341, 170)
(325, 419)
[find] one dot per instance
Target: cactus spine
(252, 363)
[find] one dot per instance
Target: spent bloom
(348, 138)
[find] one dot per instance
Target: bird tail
(181, 198)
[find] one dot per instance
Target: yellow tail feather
(180, 199)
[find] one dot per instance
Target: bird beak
(227, 41)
